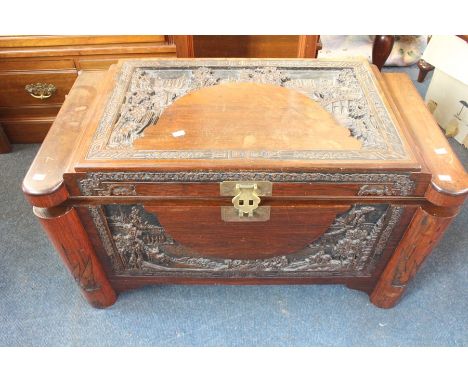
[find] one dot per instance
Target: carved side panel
(139, 245)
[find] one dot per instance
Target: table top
(237, 113)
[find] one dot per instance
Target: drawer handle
(40, 90)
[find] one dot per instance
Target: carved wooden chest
(244, 172)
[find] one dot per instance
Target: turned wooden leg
(381, 49)
(66, 232)
(4, 142)
(423, 233)
(424, 68)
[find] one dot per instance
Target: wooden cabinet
(249, 46)
(274, 46)
(56, 61)
(4, 142)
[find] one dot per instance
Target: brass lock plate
(228, 187)
(246, 200)
(230, 214)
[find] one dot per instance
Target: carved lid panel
(228, 114)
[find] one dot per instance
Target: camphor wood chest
(244, 172)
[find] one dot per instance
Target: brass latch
(246, 200)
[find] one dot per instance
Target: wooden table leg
(381, 49)
(4, 142)
(424, 68)
(422, 235)
(64, 228)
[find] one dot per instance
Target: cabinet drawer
(104, 62)
(29, 111)
(13, 92)
(32, 130)
(58, 40)
(22, 65)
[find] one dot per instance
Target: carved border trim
(104, 233)
(373, 184)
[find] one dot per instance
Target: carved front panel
(138, 244)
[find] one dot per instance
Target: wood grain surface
(255, 46)
(71, 241)
(46, 173)
(421, 237)
(448, 174)
(247, 116)
(4, 142)
(288, 230)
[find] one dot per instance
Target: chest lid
(238, 114)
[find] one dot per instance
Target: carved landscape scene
(138, 245)
(344, 89)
